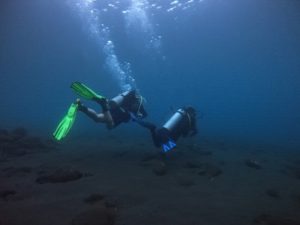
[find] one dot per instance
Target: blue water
(237, 62)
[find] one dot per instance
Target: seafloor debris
(17, 143)
(209, 170)
(265, 219)
(98, 216)
(253, 164)
(60, 176)
(273, 193)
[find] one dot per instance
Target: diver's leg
(99, 118)
(105, 112)
(152, 128)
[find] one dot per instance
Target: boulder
(60, 176)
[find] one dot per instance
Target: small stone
(209, 170)
(253, 164)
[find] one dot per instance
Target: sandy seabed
(127, 182)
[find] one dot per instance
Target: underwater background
(237, 62)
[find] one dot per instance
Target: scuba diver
(182, 123)
(120, 109)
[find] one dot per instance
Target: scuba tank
(175, 120)
(180, 124)
(130, 101)
(119, 100)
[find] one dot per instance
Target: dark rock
(265, 219)
(98, 216)
(93, 198)
(253, 164)
(213, 171)
(6, 193)
(160, 169)
(273, 193)
(60, 176)
(209, 170)
(19, 133)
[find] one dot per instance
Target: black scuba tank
(122, 99)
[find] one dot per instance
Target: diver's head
(190, 110)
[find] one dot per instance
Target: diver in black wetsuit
(117, 110)
(181, 124)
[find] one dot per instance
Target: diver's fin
(66, 123)
(169, 145)
(84, 91)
